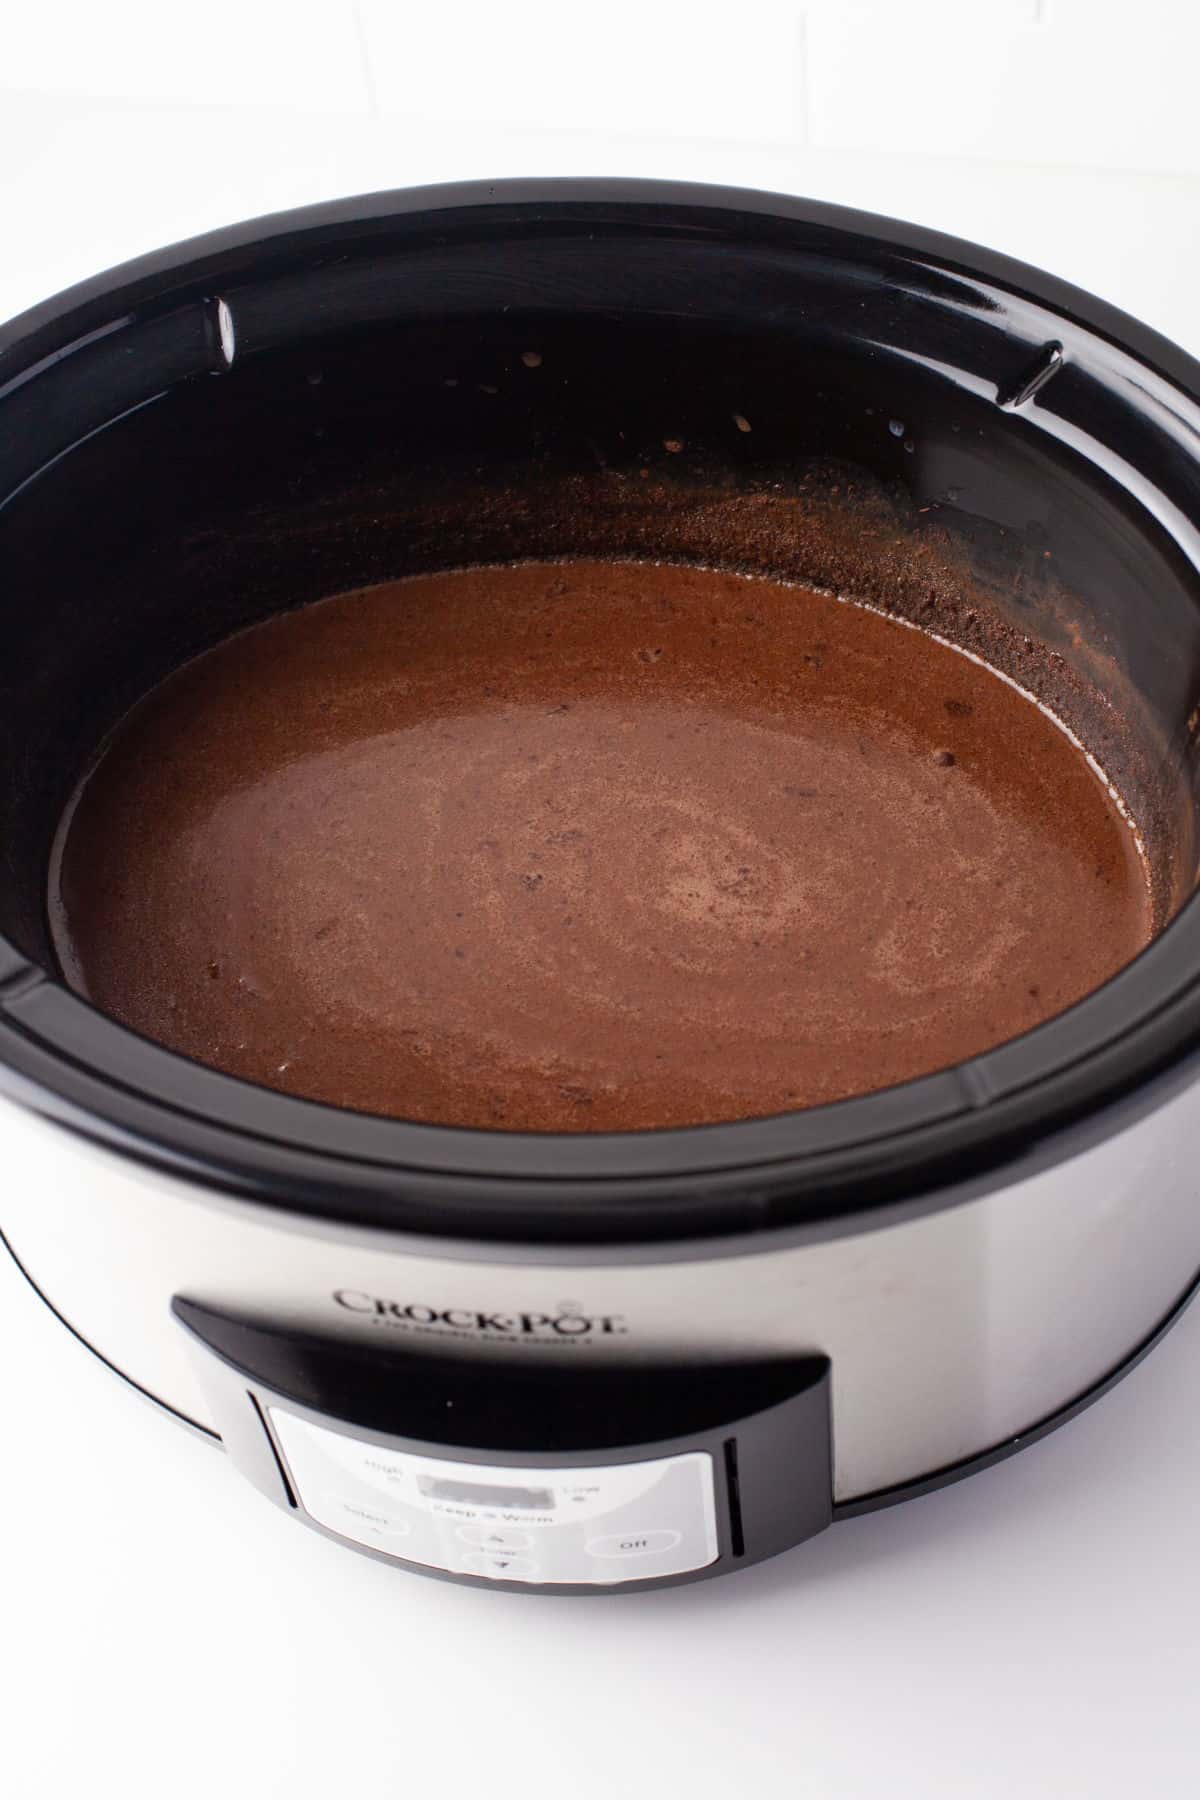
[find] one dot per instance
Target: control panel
(600, 1524)
(579, 1477)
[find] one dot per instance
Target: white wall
(1061, 130)
(1079, 83)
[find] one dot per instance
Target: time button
(493, 1537)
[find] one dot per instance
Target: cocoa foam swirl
(591, 846)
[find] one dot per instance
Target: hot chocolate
(590, 846)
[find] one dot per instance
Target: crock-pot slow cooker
(580, 1363)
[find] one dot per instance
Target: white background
(1033, 1632)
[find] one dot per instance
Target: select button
(366, 1518)
(635, 1543)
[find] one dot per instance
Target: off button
(634, 1543)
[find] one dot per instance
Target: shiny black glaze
(140, 462)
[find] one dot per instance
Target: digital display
(477, 1493)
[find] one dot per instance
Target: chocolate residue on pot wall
(828, 526)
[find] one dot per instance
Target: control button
(634, 1543)
(384, 1523)
(499, 1566)
(493, 1537)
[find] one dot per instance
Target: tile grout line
(364, 53)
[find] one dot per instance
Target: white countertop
(1031, 1632)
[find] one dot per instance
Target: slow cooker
(588, 1362)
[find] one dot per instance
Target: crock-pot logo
(566, 1322)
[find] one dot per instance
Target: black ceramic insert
(289, 409)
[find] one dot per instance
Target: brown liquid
(591, 846)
